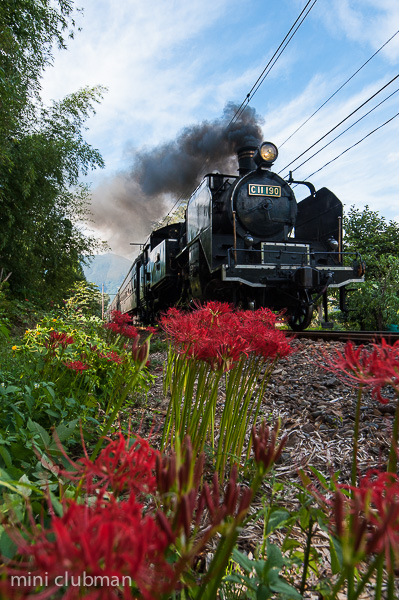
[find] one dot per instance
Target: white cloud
(370, 22)
(169, 64)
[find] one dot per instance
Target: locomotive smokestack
(245, 159)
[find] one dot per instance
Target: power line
(339, 89)
(347, 129)
(256, 86)
(340, 123)
(271, 64)
(353, 145)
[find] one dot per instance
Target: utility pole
(102, 301)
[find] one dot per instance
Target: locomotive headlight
(266, 154)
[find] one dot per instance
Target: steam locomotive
(245, 240)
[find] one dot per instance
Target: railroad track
(361, 337)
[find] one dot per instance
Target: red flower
(374, 369)
(119, 467)
(373, 514)
(120, 325)
(110, 540)
(265, 446)
(218, 335)
(77, 366)
(58, 338)
(114, 357)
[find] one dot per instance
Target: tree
(42, 155)
(43, 201)
(374, 304)
(28, 31)
(84, 299)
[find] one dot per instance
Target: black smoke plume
(127, 206)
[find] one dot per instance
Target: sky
(174, 69)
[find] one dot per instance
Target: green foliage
(374, 304)
(42, 156)
(260, 579)
(369, 233)
(84, 299)
(43, 202)
(67, 369)
(28, 30)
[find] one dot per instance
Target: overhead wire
(256, 85)
(353, 145)
(347, 129)
(339, 89)
(271, 64)
(338, 124)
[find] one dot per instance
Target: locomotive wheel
(301, 315)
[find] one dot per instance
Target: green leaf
(274, 556)
(56, 504)
(276, 519)
(50, 390)
(40, 431)
(282, 587)
(63, 432)
(11, 389)
(319, 476)
(242, 559)
(52, 413)
(5, 455)
(7, 547)
(263, 592)
(335, 556)
(24, 486)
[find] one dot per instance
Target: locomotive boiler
(247, 241)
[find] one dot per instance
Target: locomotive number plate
(264, 190)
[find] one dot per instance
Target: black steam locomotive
(245, 240)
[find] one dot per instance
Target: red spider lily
(77, 366)
(379, 495)
(58, 338)
(119, 467)
(120, 325)
(374, 369)
(367, 520)
(263, 339)
(113, 357)
(120, 318)
(109, 539)
(140, 352)
(222, 348)
(264, 445)
(220, 336)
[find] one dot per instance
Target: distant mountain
(108, 269)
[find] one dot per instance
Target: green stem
(391, 578)
(306, 556)
(379, 579)
(356, 437)
(393, 459)
(218, 566)
(376, 564)
(112, 417)
(339, 583)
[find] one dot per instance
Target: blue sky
(171, 64)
